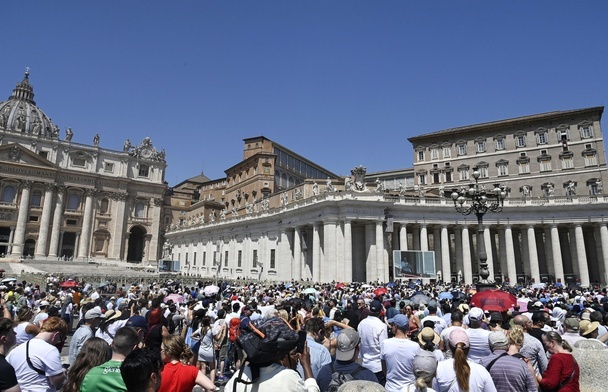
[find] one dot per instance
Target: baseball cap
(475, 314)
(399, 320)
(375, 306)
(538, 305)
(427, 335)
(425, 363)
(93, 314)
(498, 339)
(44, 303)
(571, 323)
(346, 344)
(459, 336)
(587, 327)
(137, 322)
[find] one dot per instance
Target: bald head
(522, 321)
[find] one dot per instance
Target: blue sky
(343, 83)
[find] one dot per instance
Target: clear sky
(343, 83)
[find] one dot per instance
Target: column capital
(60, 189)
(91, 192)
(26, 184)
(48, 186)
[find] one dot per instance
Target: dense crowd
(294, 337)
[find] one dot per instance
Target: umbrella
(391, 284)
(69, 283)
(177, 298)
(310, 290)
(210, 290)
(446, 295)
(419, 299)
(494, 300)
(380, 291)
(8, 280)
(458, 295)
(340, 286)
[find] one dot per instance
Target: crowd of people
(294, 337)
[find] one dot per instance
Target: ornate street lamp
(476, 200)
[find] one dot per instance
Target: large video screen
(413, 264)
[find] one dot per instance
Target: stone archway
(137, 240)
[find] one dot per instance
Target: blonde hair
(176, 348)
(516, 335)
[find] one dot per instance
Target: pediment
(17, 154)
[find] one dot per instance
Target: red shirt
(562, 369)
(177, 377)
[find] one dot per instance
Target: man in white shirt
(373, 332)
(478, 337)
(439, 322)
(571, 324)
(457, 323)
(398, 355)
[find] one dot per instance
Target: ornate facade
(346, 229)
(62, 199)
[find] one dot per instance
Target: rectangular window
(186, 261)
(239, 262)
(434, 153)
(541, 138)
(567, 163)
(483, 172)
(503, 170)
(204, 258)
(255, 258)
(420, 156)
(481, 146)
(214, 258)
(545, 166)
(594, 189)
(590, 160)
(108, 167)
(272, 259)
(436, 179)
(447, 152)
(500, 144)
(144, 170)
(524, 168)
(586, 132)
(44, 154)
(194, 259)
(226, 259)
(80, 162)
(463, 174)
(462, 149)
(520, 140)
(422, 179)
(448, 176)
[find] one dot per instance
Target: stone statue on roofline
(68, 134)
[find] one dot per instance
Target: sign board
(413, 264)
(168, 265)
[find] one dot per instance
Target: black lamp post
(476, 200)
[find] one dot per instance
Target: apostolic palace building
(278, 216)
(60, 199)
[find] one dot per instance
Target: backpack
(339, 378)
(235, 329)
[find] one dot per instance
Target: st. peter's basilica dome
(20, 113)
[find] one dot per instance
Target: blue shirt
(319, 356)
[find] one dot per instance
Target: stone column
(45, 220)
(458, 254)
(11, 236)
(156, 204)
(118, 232)
(502, 254)
(510, 253)
(581, 255)
(348, 251)
(87, 223)
(329, 251)
(604, 242)
(283, 264)
(403, 236)
(467, 262)
(488, 241)
(57, 218)
(558, 264)
(24, 207)
(371, 268)
(380, 260)
(316, 252)
(533, 254)
(76, 245)
(445, 255)
(424, 238)
(297, 254)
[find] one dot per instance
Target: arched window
(139, 210)
(8, 194)
(36, 199)
(73, 201)
(103, 208)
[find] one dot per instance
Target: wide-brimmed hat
(428, 334)
(587, 327)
